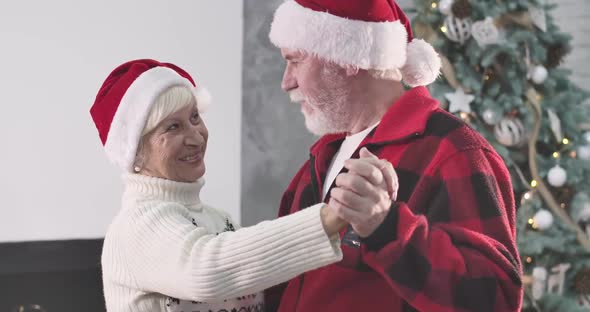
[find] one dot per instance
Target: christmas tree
(502, 75)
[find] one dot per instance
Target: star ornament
(459, 101)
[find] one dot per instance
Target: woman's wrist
(331, 222)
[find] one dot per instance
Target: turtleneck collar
(166, 190)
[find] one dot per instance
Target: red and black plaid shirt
(448, 243)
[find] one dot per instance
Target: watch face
(351, 239)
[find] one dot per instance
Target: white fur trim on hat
(203, 98)
(365, 45)
(132, 112)
(422, 65)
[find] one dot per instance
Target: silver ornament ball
(557, 176)
(509, 131)
(458, 29)
(490, 116)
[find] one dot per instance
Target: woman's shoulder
(221, 215)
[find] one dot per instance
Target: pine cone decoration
(556, 54)
(461, 9)
(582, 282)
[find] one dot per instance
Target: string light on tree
(527, 196)
(557, 176)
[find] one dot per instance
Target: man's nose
(289, 82)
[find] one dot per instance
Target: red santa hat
(366, 34)
(124, 101)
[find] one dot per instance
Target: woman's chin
(196, 173)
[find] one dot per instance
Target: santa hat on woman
(365, 34)
(125, 99)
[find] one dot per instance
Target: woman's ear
(139, 156)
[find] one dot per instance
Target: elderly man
(447, 243)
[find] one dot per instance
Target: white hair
(387, 74)
(168, 102)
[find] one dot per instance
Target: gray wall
(274, 140)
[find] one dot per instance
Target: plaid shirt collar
(407, 117)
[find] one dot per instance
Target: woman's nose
(194, 137)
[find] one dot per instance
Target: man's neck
(372, 102)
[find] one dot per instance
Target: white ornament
(580, 209)
(444, 6)
(584, 214)
(490, 117)
(557, 279)
(509, 131)
(485, 32)
(459, 101)
(539, 17)
(543, 219)
(584, 152)
(555, 124)
(538, 74)
(458, 29)
(557, 176)
(539, 282)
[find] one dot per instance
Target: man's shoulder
(454, 133)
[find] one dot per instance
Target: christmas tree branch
(543, 190)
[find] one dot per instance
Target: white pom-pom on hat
(422, 64)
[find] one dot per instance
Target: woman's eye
(195, 116)
(172, 127)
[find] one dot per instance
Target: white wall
(56, 181)
(572, 17)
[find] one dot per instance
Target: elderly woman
(165, 243)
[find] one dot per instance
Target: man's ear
(351, 70)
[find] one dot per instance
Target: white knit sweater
(166, 251)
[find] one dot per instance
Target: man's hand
(364, 195)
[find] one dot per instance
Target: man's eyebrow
(291, 57)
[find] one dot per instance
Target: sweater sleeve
(458, 252)
(166, 253)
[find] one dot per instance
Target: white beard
(326, 114)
